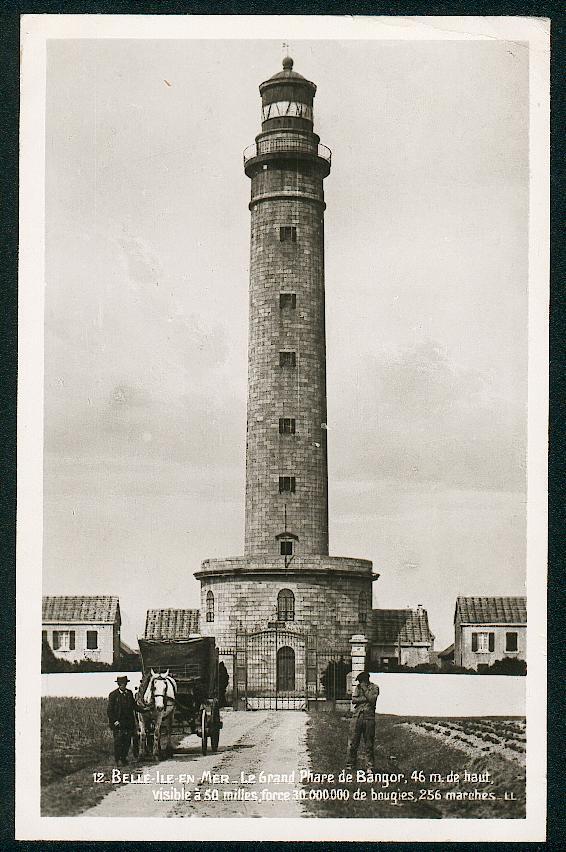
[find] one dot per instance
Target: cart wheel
(215, 726)
(203, 733)
(214, 739)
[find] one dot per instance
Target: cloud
(424, 418)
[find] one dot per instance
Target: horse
(156, 700)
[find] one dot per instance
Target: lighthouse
(286, 594)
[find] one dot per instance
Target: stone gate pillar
(358, 644)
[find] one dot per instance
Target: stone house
(82, 627)
(399, 637)
(488, 629)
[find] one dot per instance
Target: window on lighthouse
(287, 300)
(286, 425)
(286, 547)
(285, 605)
(287, 359)
(209, 606)
(288, 234)
(286, 484)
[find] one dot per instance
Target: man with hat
(122, 718)
(363, 720)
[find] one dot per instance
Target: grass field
(75, 742)
(420, 748)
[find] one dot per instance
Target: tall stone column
(286, 459)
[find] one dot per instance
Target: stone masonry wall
(327, 604)
(292, 392)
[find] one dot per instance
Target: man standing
(122, 718)
(363, 720)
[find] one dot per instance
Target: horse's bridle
(166, 698)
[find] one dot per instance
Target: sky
(147, 266)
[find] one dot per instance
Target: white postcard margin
(35, 31)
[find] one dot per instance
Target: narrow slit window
(288, 234)
(286, 425)
(287, 359)
(286, 484)
(287, 300)
(209, 606)
(285, 605)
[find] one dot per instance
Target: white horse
(157, 704)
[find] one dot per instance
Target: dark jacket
(365, 699)
(121, 708)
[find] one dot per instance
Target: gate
(282, 668)
(271, 669)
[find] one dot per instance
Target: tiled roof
(492, 610)
(389, 626)
(88, 608)
(171, 623)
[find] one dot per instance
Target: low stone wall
(450, 694)
(400, 694)
(84, 684)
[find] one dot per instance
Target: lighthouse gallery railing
(273, 146)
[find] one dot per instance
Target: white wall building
(489, 629)
(82, 627)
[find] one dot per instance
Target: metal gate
(282, 668)
(271, 671)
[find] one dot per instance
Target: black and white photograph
(282, 428)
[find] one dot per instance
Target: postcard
(282, 428)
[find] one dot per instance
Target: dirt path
(250, 743)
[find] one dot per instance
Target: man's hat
(122, 679)
(363, 676)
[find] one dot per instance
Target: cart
(193, 663)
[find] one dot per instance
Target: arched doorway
(285, 669)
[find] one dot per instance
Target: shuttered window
(92, 640)
(482, 643)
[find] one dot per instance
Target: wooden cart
(193, 663)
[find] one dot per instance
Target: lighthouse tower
(286, 580)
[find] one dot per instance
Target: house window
(287, 300)
(209, 606)
(288, 234)
(482, 643)
(286, 425)
(511, 641)
(286, 484)
(285, 605)
(92, 640)
(63, 640)
(287, 359)
(286, 546)
(363, 607)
